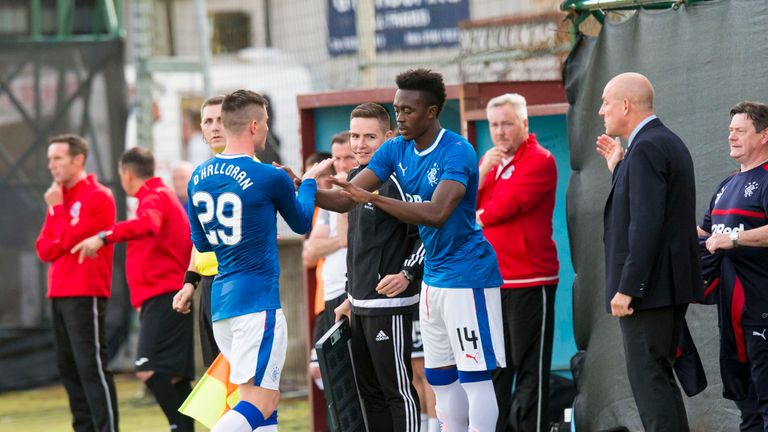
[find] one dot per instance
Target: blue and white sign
(400, 24)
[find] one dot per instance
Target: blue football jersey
(741, 203)
(233, 201)
(457, 254)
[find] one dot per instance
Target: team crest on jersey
(74, 213)
(433, 175)
(508, 172)
(750, 189)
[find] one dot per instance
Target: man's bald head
(627, 101)
(634, 87)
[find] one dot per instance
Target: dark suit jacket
(651, 248)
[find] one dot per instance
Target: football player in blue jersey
(232, 208)
(460, 299)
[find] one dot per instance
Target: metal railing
(580, 9)
(106, 22)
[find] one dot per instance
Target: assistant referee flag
(213, 395)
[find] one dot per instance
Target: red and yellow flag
(213, 395)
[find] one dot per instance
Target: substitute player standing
(233, 204)
(460, 300)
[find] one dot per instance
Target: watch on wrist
(102, 235)
(408, 276)
(734, 236)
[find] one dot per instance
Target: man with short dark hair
(203, 266)
(737, 219)
(157, 255)
(459, 300)
(233, 206)
(78, 207)
(384, 265)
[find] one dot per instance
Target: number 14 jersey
(233, 202)
(457, 254)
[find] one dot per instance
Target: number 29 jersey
(233, 202)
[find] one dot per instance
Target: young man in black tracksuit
(384, 266)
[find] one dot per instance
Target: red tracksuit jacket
(518, 200)
(159, 243)
(88, 208)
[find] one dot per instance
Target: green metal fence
(96, 20)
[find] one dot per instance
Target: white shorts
(417, 343)
(255, 345)
(462, 327)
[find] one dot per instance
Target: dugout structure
(324, 114)
(56, 76)
(702, 59)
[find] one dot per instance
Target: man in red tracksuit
(78, 207)
(159, 246)
(515, 203)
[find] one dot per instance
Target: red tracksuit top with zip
(87, 208)
(518, 201)
(159, 243)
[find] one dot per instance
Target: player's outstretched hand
(182, 301)
(392, 285)
(610, 149)
(291, 174)
(355, 193)
(87, 248)
(318, 169)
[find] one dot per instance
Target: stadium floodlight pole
(365, 20)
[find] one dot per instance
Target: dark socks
(183, 389)
(165, 393)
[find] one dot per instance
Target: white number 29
(232, 219)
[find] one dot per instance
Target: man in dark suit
(651, 258)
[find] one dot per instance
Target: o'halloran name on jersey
(224, 168)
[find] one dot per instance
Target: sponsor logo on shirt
(762, 335)
(381, 336)
(413, 198)
(722, 229)
(141, 361)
